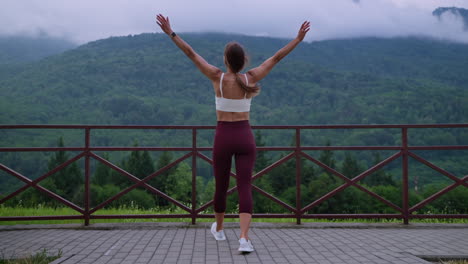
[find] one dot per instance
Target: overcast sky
(87, 20)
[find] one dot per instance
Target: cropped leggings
(233, 139)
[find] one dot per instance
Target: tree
(261, 160)
(262, 204)
(350, 167)
(179, 183)
(103, 174)
(326, 157)
(146, 165)
(380, 177)
(283, 176)
(139, 163)
(391, 193)
(66, 181)
(160, 182)
(321, 184)
(118, 179)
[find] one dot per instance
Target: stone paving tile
(272, 245)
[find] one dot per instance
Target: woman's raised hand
(163, 22)
(303, 30)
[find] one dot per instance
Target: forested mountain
(144, 79)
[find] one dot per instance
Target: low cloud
(87, 20)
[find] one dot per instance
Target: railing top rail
(341, 126)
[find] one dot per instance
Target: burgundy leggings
(233, 138)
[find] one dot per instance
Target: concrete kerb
(438, 258)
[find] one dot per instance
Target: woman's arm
(207, 69)
(258, 73)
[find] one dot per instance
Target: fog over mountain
(459, 13)
(19, 49)
(84, 21)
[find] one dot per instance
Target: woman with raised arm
(234, 137)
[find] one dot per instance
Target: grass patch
(458, 261)
(39, 258)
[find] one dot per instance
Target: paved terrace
(274, 243)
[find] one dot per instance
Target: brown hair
(236, 60)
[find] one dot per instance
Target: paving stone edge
(173, 225)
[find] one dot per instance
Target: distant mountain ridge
(20, 49)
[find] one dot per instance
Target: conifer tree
(160, 182)
(261, 161)
(326, 157)
(350, 167)
(68, 180)
(380, 177)
(102, 176)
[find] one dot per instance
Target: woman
(233, 94)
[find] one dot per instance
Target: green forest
(145, 80)
(177, 182)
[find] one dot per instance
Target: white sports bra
(232, 105)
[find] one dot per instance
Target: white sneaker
(245, 245)
(217, 235)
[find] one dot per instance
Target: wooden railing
(297, 152)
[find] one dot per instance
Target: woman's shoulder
(217, 76)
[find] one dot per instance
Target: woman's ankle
(219, 221)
